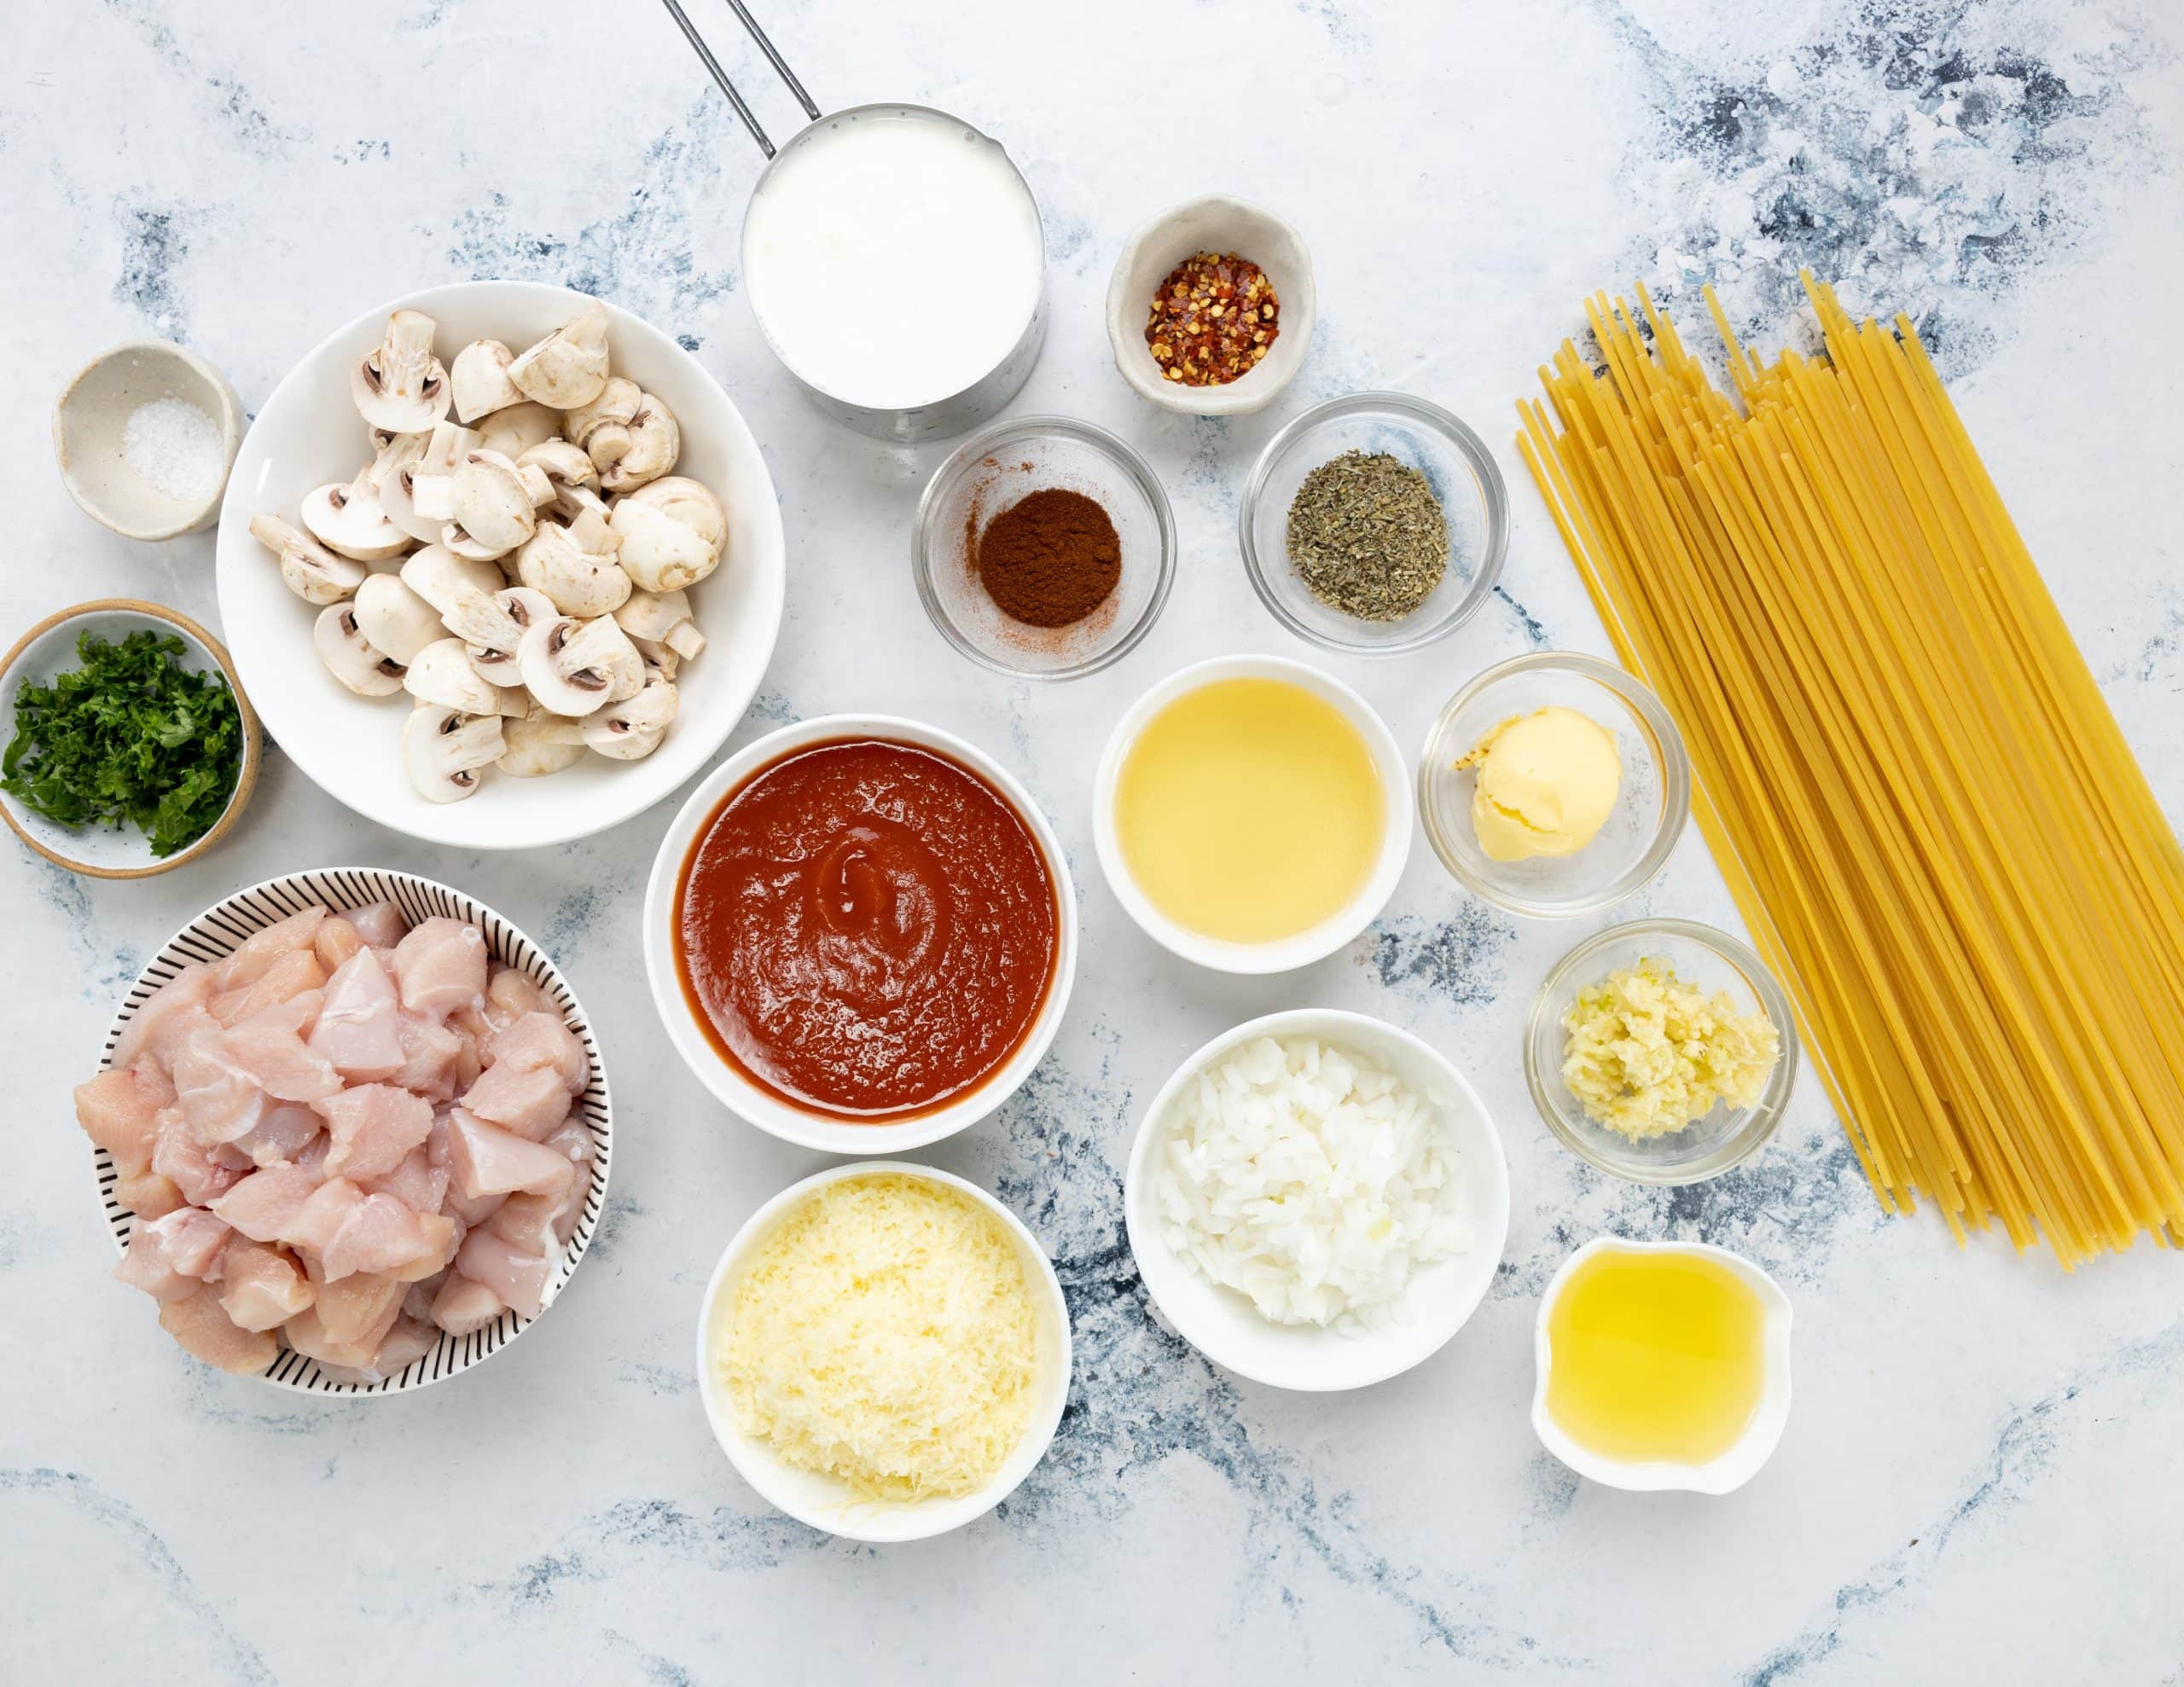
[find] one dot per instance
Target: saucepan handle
(713, 67)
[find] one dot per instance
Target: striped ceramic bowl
(223, 927)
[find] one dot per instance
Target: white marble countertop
(1980, 1478)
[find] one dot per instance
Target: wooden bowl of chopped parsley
(129, 746)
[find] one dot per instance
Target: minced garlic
(1649, 1055)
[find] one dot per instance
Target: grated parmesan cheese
(884, 1336)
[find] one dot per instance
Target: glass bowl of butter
(1553, 785)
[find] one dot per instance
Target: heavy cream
(893, 257)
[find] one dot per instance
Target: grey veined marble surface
(1981, 1479)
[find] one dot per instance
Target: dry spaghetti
(1922, 804)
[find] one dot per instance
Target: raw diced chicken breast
(265, 1205)
(201, 1324)
(319, 1219)
(465, 1307)
(539, 1040)
(168, 1257)
(382, 1236)
(118, 1110)
(311, 1158)
(291, 975)
(510, 994)
(529, 1103)
(410, 1341)
(429, 1051)
(418, 1302)
(416, 1183)
(381, 924)
(267, 1047)
(307, 1336)
(148, 1195)
(518, 1278)
(187, 992)
(440, 967)
(571, 1140)
(486, 1160)
(337, 939)
(374, 1127)
(219, 1098)
(525, 1223)
(357, 1311)
(188, 1163)
(473, 1033)
(261, 1288)
(261, 949)
(358, 1028)
(280, 1134)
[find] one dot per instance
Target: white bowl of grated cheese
(821, 1500)
(1323, 1219)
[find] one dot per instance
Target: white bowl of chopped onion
(1321, 1216)
(822, 1500)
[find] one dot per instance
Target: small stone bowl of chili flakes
(1211, 308)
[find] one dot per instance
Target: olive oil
(1249, 811)
(1655, 1356)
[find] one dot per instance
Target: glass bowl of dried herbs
(1045, 548)
(1374, 523)
(126, 745)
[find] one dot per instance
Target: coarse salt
(175, 448)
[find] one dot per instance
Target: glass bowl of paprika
(1045, 548)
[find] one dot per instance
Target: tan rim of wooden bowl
(253, 746)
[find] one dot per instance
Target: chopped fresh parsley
(131, 735)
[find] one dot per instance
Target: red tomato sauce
(866, 928)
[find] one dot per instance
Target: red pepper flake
(1213, 319)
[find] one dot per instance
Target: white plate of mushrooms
(500, 565)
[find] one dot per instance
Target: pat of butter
(1547, 784)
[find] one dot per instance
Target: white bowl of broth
(1251, 814)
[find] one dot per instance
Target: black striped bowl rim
(222, 928)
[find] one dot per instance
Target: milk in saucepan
(893, 257)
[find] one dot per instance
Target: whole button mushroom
(672, 532)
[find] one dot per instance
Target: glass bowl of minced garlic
(1661, 1052)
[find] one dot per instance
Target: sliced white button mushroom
(540, 743)
(663, 618)
(567, 368)
(616, 403)
(480, 377)
(516, 430)
(350, 520)
(351, 657)
(492, 628)
(395, 618)
(416, 494)
(496, 505)
(398, 385)
(673, 532)
(575, 667)
(632, 440)
(308, 569)
(574, 564)
(441, 673)
(439, 576)
(574, 480)
(632, 729)
(446, 751)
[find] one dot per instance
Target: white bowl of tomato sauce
(860, 932)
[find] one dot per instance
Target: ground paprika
(1050, 559)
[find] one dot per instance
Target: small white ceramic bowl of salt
(145, 434)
